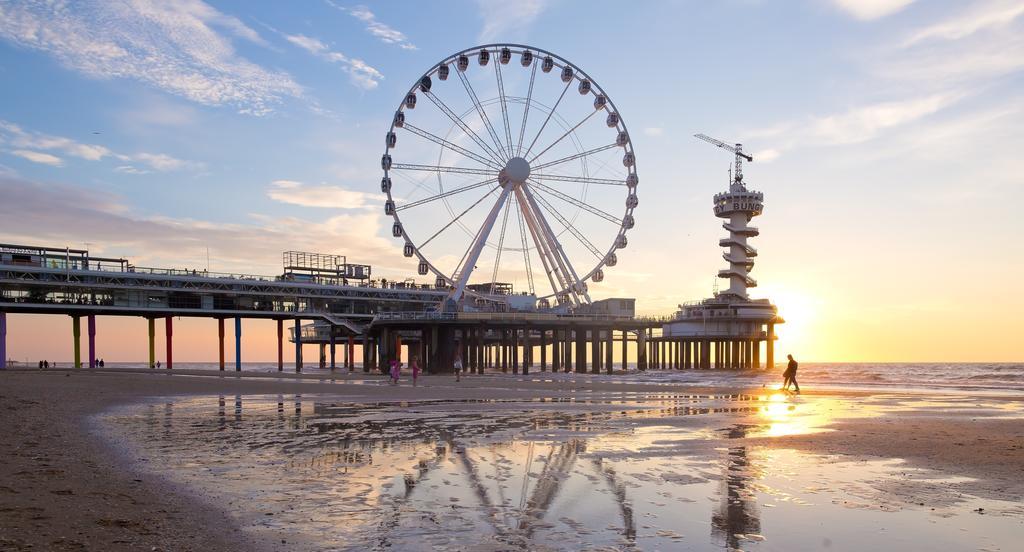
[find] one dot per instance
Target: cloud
(654, 131)
(867, 10)
(39, 157)
(164, 162)
(502, 17)
(103, 218)
(989, 16)
(13, 135)
(385, 33)
(129, 169)
(173, 46)
(361, 74)
(854, 126)
(297, 193)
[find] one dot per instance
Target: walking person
(789, 376)
(458, 365)
(396, 370)
(415, 367)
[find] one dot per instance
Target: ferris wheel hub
(516, 171)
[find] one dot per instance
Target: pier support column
(527, 350)
(333, 345)
(595, 352)
(91, 321)
(298, 345)
(238, 343)
(770, 345)
(220, 344)
(543, 350)
(3, 340)
(366, 353)
(169, 335)
(350, 354)
(280, 345)
(609, 353)
(515, 351)
(567, 366)
(556, 363)
(625, 350)
(76, 334)
(757, 354)
(151, 322)
(581, 351)
(322, 361)
(706, 354)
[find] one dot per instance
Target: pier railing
(496, 316)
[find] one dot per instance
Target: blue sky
(886, 136)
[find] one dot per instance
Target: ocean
(981, 377)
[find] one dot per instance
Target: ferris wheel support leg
(543, 250)
(481, 240)
(560, 256)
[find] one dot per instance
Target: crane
(737, 149)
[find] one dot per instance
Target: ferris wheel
(507, 167)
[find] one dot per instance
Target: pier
(372, 322)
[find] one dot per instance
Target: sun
(799, 308)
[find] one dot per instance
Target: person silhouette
(789, 376)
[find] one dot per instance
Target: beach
(194, 460)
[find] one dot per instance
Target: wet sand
(62, 487)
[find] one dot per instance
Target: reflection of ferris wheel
(516, 187)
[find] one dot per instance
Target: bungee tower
(726, 331)
(738, 205)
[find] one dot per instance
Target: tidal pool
(614, 471)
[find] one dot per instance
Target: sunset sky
(886, 136)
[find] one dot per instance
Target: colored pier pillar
(280, 345)
(3, 340)
(770, 346)
(76, 332)
(220, 342)
(169, 333)
(298, 345)
(350, 355)
(151, 322)
(238, 343)
(91, 322)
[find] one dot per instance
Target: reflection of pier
(737, 512)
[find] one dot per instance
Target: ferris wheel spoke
(526, 246)
(574, 157)
(575, 202)
(465, 128)
(526, 108)
(501, 243)
(452, 146)
(482, 113)
(548, 118)
(504, 106)
(579, 179)
(441, 169)
(571, 228)
(449, 193)
(562, 137)
(459, 216)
